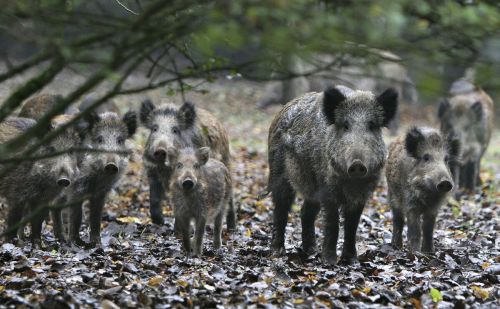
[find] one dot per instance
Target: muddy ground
(142, 265)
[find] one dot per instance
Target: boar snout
(63, 182)
(188, 184)
(357, 169)
(444, 186)
(111, 168)
(160, 154)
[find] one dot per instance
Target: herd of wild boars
(326, 146)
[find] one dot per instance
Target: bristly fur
(332, 98)
(412, 140)
(389, 102)
(187, 115)
(130, 120)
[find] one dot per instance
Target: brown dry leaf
(129, 220)
(155, 281)
(480, 292)
(416, 303)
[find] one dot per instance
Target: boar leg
(156, 196)
(218, 230)
(96, 206)
(309, 211)
(351, 222)
(183, 228)
(470, 175)
(428, 223)
(414, 229)
(231, 215)
(75, 224)
(283, 196)
(15, 216)
(455, 172)
(57, 224)
(331, 234)
(36, 226)
(198, 235)
(398, 223)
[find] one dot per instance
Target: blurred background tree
(174, 41)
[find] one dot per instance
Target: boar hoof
(428, 249)
(157, 220)
(79, 242)
(397, 245)
(310, 249)
(36, 244)
(329, 259)
(348, 260)
(278, 251)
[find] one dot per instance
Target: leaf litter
(142, 265)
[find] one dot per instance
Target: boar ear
(332, 97)
(130, 120)
(146, 108)
(413, 138)
(203, 154)
(83, 126)
(92, 119)
(389, 102)
(443, 107)
(187, 115)
(477, 108)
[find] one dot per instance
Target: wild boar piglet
(200, 190)
(419, 180)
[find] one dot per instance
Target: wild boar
(469, 116)
(200, 190)
(101, 168)
(38, 105)
(32, 186)
(328, 146)
(174, 127)
(419, 180)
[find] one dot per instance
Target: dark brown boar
(32, 186)
(419, 180)
(38, 105)
(173, 127)
(328, 146)
(100, 170)
(200, 190)
(468, 114)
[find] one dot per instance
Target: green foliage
(436, 295)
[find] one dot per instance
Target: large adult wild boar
(467, 114)
(327, 146)
(173, 127)
(40, 104)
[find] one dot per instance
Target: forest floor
(141, 264)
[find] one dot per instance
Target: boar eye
(175, 130)
(196, 166)
(372, 126)
(154, 128)
(99, 139)
(120, 140)
(345, 125)
(51, 149)
(446, 158)
(426, 157)
(179, 165)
